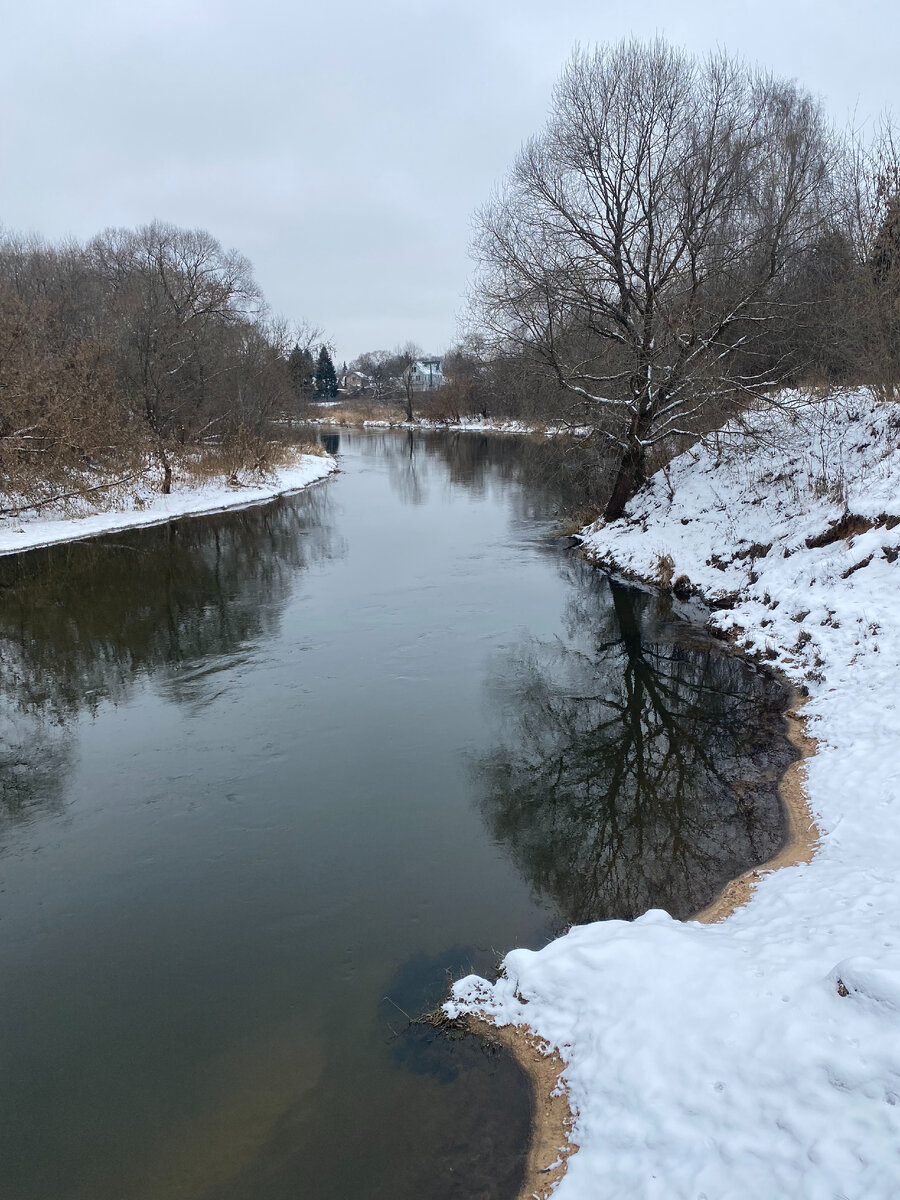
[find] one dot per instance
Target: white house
(427, 374)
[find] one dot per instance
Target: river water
(269, 779)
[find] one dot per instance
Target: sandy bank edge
(802, 835)
(550, 1147)
(552, 1118)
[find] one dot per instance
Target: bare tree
(61, 426)
(144, 347)
(179, 298)
(373, 364)
(401, 370)
(865, 313)
(465, 391)
(642, 243)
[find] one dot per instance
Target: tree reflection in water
(404, 468)
(81, 623)
(639, 768)
(556, 476)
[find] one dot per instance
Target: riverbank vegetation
(137, 355)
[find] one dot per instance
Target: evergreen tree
(295, 369)
(301, 370)
(326, 376)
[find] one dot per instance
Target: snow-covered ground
(471, 424)
(144, 506)
(759, 1057)
(464, 425)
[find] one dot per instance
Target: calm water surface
(265, 779)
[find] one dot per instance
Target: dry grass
(241, 461)
(436, 1018)
(665, 570)
(358, 409)
(573, 523)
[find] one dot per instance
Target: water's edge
(553, 1118)
(202, 501)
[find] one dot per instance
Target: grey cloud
(343, 146)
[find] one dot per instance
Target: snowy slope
(145, 507)
(728, 1061)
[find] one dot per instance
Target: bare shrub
(865, 313)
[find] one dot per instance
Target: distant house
(427, 374)
(355, 381)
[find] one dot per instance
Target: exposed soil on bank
(552, 1117)
(802, 835)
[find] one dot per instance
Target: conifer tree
(326, 376)
(301, 370)
(293, 368)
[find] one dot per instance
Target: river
(269, 779)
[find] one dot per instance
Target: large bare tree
(644, 242)
(401, 369)
(180, 305)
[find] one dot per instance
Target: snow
(471, 424)
(144, 506)
(760, 1056)
(463, 425)
(485, 425)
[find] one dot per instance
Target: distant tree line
(479, 380)
(140, 349)
(389, 375)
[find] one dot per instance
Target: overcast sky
(343, 146)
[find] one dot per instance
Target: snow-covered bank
(141, 506)
(761, 1056)
(464, 425)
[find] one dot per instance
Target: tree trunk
(167, 469)
(631, 475)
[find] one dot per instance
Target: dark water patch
(639, 760)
